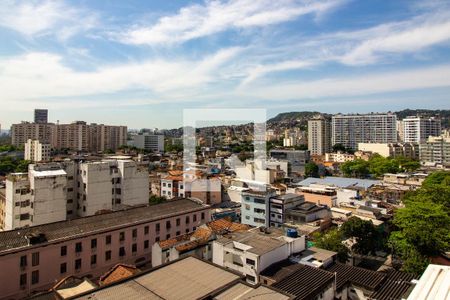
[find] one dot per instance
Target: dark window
(178, 222)
(187, 220)
(167, 236)
(122, 236)
(134, 233)
(78, 247)
(187, 230)
(178, 233)
(35, 277)
(157, 239)
(168, 225)
(23, 279)
(24, 216)
(203, 215)
(122, 251)
(108, 239)
(35, 259)
(93, 259)
(63, 250)
(250, 278)
(78, 264)
(157, 227)
(146, 230)
(93, 243)
(23, 261)
(63, 268)
(146, 243)
(108, 255)
(194, 218)
(134, 248)
(250, 262)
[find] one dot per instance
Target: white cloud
(37, 18)
(197, 21)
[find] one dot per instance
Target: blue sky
(140, 63)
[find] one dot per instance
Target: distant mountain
(444, 114)
(295, 117)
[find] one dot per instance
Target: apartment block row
(52, 192)
(77, 136)
(38, 257)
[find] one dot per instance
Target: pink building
(35, 258)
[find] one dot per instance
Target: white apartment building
(436, 150)
(349, 130)
(319, 136)
(418, 129)
(339, 157)
(409, 150)
(52, 192)
(255, 207)
(149, 142)
(36, 198)
(250, 252)
(36, 151)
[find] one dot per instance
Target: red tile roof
(118, 272)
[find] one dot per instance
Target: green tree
(311, 170)
(153, 199)
(332, 240)
(357, 168)
(339, 148)
(368, 237)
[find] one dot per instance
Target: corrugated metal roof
(359, 276)
(341, 182)
(241, 291)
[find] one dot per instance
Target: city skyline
(139, 64)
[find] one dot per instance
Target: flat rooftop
(259, 242)
(341, 182)
(65, 230)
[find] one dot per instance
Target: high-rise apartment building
(149, 142)
(53, 192)
(319, 136)
(77, 136)
(436, 150)
(36, 151)
(41, 116)
(418, 129)
(349, 130)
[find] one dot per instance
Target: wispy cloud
(195, 21)
(40, 18)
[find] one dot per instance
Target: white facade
(417, 129)
(436, 150)
(409, 150)
(150, 142)
(58, 191)
(255, 206)
(250, 252)
(349, 130)
(339, 157)
(36, 151)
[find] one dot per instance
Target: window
(122, 236)
(260, 201)
(247, 206)
(250, 278)
(187, 230)
(35, 259)
(78, 247)
(23, 279)
(93, 259)
(194, 218)
(134, 233)
(108, 255)
(63, 268)
(122, 251)
(108, 239)
(203, 215)
(259, 211)
(167, 236)
(63, 250)
(164, 184)
(258, 220)
(156, 239)
(35, 277)
(187, 220)
(178, 222)
(146, 244)
(157, 227)
(24, 217)
(93, 243)
(146, 230)
(23, 261)
(178, 233)
(134, 248)
(78, 264)
(69, 212)
(250, 262)
(168, 225)
(70, 189)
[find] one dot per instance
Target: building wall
(319, 199)
(417, 129)
(50, 258)
(436, 149)
(319, 136)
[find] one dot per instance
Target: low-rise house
(255, 207)
(307, 212)
(197, 243)
(250, 252)
(280, 204)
